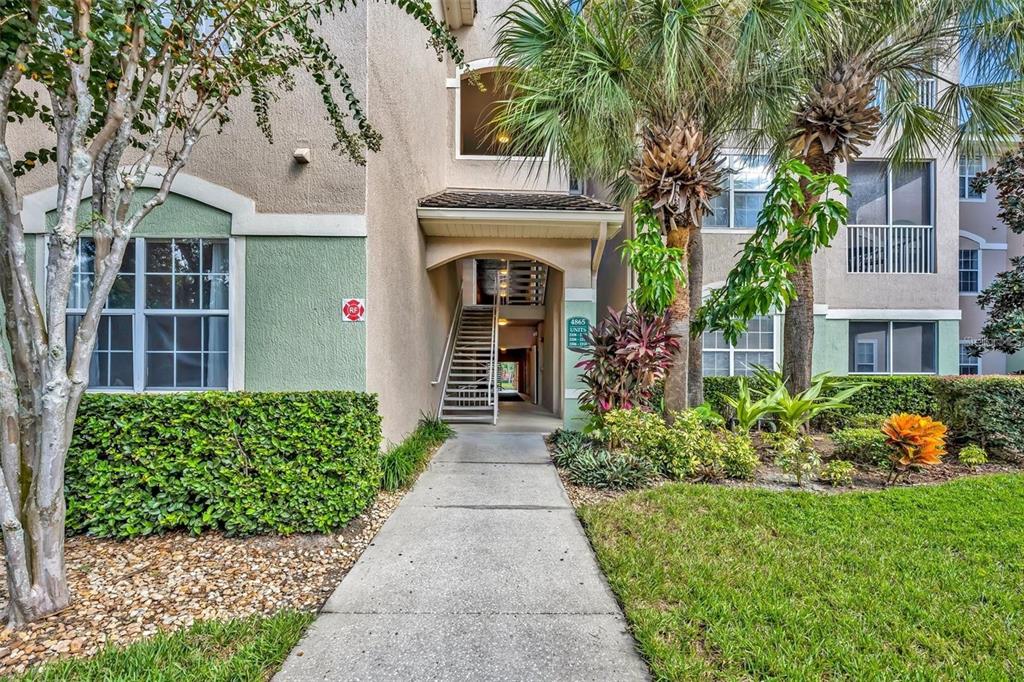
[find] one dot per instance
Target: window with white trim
(970, 271)
(969, 364)
(890, 347)
(738, 206)
(970, 166)
(755, 347)
(165, 325)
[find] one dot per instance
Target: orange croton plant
(919, 441)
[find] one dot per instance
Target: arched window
(480, 96)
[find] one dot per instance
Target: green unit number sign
(576, 331)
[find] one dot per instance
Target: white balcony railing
(927, 93)
(891, 249)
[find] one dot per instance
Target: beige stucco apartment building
(461, 258)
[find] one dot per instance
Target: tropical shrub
(738, 456)
(837, 472)
(697, 451)
(747, 410)
(864, 421)
(401, 463)
(794, 412)
(880, 395)
(988, 411)
(640, 432)
(709, 416)
(568, 450)
(243, 463)
(628, 353)
(610, 470)
(972, 454)
(862, 445)
(797, 457)
(562, 436)
(918, 441)
(658, 267)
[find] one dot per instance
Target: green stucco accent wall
(573, 417)
(831, 345)
(178, 216)
(295, 337)
(949, 346)
(1015, 363)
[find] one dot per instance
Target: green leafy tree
(801, 214)
(123, 83)
(860, 76)
(658, 268)
(1003, 331)
(642, 95)
(1004, 297)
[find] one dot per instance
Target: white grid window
(968, 363)
(754, 347)
(171, 331)
(738, 206)
(970, 274)
(970, 166)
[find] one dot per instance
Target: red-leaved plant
(628, 353)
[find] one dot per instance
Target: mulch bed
(122, 591)
(768, 476)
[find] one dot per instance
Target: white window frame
(731, 191)
(977, 270)
(776, 349)
(487, 66)
(975, 361)
(890, 226)
(964, 181)
(888, 349)
(140, 313)
(873, 344)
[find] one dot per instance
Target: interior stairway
(469, 394)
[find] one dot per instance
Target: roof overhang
(518, 223)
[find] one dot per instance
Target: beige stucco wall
(241, 159)
(408, 308)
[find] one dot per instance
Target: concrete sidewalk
(482, 573)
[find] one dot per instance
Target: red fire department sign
(353, 310)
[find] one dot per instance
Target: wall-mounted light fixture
(302, 155)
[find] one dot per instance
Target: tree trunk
(695, 281)
(676, 389)
(798, 331)
(798, 325)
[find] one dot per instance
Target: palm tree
(859, 78)
(641, 94)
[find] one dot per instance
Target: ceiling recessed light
(503, 138)
(502, 322)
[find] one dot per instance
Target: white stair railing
(447, 356)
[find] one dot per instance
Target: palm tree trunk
(676, 383)
(695, 281)
(798, 326)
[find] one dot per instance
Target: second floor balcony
(892, 218)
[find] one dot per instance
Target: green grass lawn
(240, 650)
(909, 583)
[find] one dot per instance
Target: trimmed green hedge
(243, 463)
(985, 410)
(988, 411)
